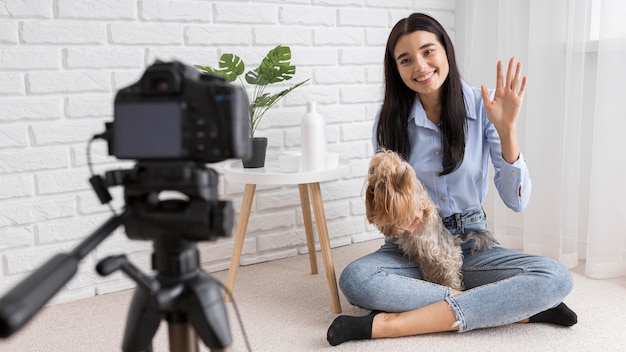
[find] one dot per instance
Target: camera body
(174, 112)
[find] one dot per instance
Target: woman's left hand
(505, 107)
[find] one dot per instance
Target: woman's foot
(560, 315)
(348, 328)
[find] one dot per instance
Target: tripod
(183, 294)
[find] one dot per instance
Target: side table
(309, 188)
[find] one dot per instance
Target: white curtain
(572, 127)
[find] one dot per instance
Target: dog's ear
(403, 180)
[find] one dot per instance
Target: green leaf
(230, 67)
(267, 100)
(275, 67)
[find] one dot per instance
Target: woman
(447, 131)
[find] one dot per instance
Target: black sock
(347, 328)
(560, 315)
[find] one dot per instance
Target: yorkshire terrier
(395, 200)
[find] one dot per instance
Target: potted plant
(274, 68)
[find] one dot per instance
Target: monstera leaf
(274, 68)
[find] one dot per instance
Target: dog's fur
(395, 197)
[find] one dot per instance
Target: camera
(175, 112)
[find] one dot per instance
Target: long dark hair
(391, 132)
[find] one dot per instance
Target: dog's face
(394, 196)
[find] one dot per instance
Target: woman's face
(422, 63)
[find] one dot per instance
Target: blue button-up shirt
(466, 187)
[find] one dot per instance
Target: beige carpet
(284, 308)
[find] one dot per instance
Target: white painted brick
(27, 8)
(342, 228)
(140, 33)
(55, 82)
(315, 56)
(307, 16)
(14, 237)
(401, 4)
(377, 37)
(289, 197)
(62, 181)
(338, 36)
(375, 75)
(36, 210)
(59, 32)
(13, 136)
(31, 109)
(362, 56)
(322, 95)
(16, 186)
(27, 58)
(122, 79)
(223, 249)
(12, 83)
(97, 9)
(218, 35)
(109, 58)
(8, 32)
(335, 75)
(280, 240)
(90, 106)
(33, 159)
(272, 35)
(65, 132)
(361, 94)
(363, 17)
(183, 11)
(250, 14)
(436, 4)
(189, 56)
(67, 229)
(338, 3)
(269, 256)
(357, 207)
(340, 190)
(271, 221)
(356, 131)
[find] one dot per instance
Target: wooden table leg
(242, 226)
(322, 232)
(308, 225)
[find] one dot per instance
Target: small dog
(396, 199)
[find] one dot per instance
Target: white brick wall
(61, 62)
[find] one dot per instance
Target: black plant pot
(259, 147)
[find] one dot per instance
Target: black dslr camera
(177, 113)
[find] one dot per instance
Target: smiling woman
(427, 107)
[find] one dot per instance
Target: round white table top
(271, 174)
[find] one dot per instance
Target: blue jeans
(502, 286)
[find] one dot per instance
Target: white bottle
(313, 139)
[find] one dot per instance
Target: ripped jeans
(502, 286)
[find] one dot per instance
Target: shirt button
(436, 152)
(443, 199)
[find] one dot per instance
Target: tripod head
(199, 217)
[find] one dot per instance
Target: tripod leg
(142, 322)
(183, 338)
(207, 312)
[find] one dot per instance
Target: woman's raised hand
(505, 107)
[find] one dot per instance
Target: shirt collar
(418, 114)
